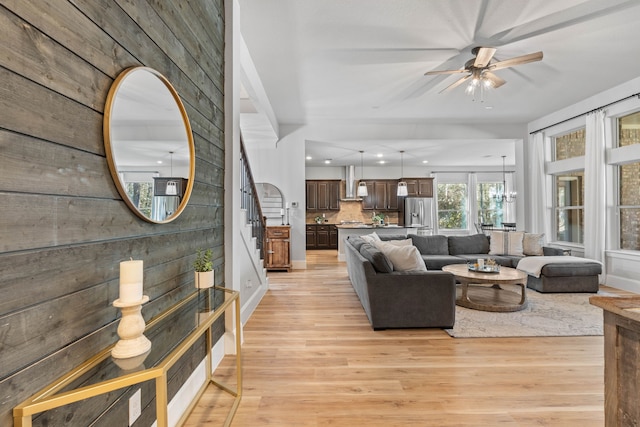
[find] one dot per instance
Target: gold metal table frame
(52, 397)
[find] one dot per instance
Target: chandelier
(503, 195)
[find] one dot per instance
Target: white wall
(282, 164)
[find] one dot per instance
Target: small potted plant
(318, 219)
(203, 266)
(378, 220)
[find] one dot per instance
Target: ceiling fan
(480, 69)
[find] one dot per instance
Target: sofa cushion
(532, 244)
(506, 243)
(431, 245)
(403, 258)
(570, 269)
(387, 237)
(378, 260)
(475, 244)
(356, 241)
(436, 262)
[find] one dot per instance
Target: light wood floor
(311, 359)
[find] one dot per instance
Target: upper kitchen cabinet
(323, 195)
(419, 187)
(382, 195)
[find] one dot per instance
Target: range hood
(350, 188)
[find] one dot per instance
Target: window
(629, 185)
(452, 206)
(570, 145)
(141, 195)
(489, 210)
(629, 130)
(569, 191)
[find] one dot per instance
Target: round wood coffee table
(473, 292)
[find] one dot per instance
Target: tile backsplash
(349, 211)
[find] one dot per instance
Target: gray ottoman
(567, 277)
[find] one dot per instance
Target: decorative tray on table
(484, 269)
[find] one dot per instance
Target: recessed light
(326, 162)
(159, 162)
(379, 155)
(308, 157)
(382, 162)
(488, 107)
(425, 161)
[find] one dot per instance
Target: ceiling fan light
(488, 83)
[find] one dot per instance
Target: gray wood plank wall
(63, 226)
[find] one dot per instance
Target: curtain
(540, 218)
(594, 184)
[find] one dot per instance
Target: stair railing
(250, 202)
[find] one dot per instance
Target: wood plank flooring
(311, 359)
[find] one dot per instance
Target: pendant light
(362, 186)
(402, 186)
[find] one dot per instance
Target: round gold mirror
(149, 144)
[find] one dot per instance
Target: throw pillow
(371, 238)
(506, 243)
(406, 242)
(377, 258)
(403, 258)
(532, 244)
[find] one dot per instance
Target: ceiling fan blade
(456, 83)
(433, 73)
(496, 81)
(532, 57)
(483, 57)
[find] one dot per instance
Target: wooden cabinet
(419, 187)
(382, 195)
(323, 195)
(278, 248)
(311, 236)
(312, 195)
(322, 236)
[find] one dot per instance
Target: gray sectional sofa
(426, 299)
(399, 299)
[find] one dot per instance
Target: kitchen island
(346, 229)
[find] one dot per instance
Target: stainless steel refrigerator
(418, 213)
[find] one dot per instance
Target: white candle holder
(131, 330)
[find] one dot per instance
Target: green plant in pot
(203, 266)
(378, 220)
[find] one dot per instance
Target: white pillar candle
(131, 281)
(281, 212)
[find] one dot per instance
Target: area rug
(546, 315)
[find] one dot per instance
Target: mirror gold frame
(111, 143)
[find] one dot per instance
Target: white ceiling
(339, 61)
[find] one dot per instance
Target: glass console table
(189, 320)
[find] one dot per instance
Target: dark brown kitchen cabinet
(382, 195)
(311, 236)
(322, 236)
(419, 187)
(323, 195)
